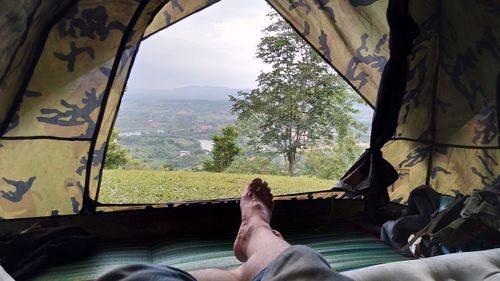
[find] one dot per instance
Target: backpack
(469, 223)
(422, 205)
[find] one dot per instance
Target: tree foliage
(332, 162)
(261, 163)
(117, 155)
(224, 150)
(299, 103)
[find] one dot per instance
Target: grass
(152, 186)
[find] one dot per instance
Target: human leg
(262, 250)
(256, 244)
(146, 272)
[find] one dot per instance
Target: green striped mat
(344, 246)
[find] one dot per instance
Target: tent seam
(165, 27)
(446, 144)
(322, 56)
(118, 106)
(22, 41)
(88, 205)
(44, 138)
(498, 110)
(30, 70)
(434, 94)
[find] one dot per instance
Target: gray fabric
(299, 263)
(4, 276)
(144, 272)
(471, 266)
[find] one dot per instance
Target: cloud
(213, 47)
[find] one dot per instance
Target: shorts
(294, 264)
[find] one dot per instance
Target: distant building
(183, 153)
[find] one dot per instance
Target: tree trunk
(290, 158)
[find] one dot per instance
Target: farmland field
(152, 186)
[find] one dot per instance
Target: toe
(256, 182)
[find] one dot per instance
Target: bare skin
(256, 244)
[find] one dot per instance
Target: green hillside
(156, 125)
(133, 186)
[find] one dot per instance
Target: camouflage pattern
(174, 11)
(63, 99)
(448, 127)
(353, 36)
(37, 181)
(115, 96)
(22, 26)
(447, 135)
(55, 124)
(64, 64)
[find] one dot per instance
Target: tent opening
(177, 101)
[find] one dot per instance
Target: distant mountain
(209, 93)
(194, 111)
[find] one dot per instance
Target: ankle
(257, 222)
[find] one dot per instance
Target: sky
(214, 47)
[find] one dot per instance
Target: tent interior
(430, 69)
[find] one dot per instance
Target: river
(206, 144)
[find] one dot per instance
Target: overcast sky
(214, 47)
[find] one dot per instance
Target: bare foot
(277, 233)
(256, 210)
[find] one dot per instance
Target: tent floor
(342, 244)
(200, 235)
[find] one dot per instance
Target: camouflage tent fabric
(446, 131)
(64, 65)
(352, 36)
(447, 134)
(63, 69)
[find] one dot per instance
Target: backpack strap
(482, 202)
(440, 221)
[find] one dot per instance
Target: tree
(136, 164)
(166, 167)
(299, 102)
(261, 163)
(117, 155)
(332, 162)
(224, 150)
